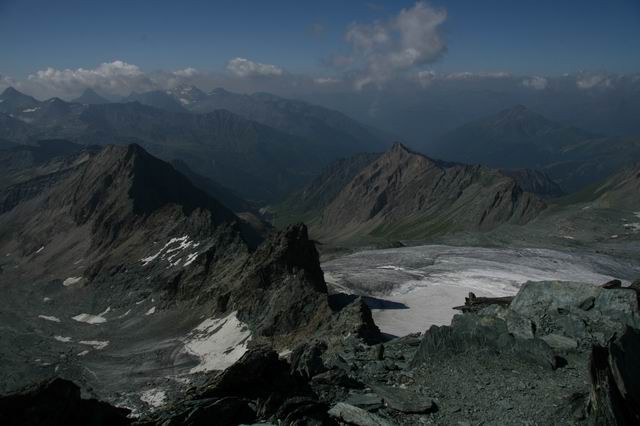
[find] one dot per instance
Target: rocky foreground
(558, 353)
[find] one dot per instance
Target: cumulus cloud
(535, 82)
(591, 81)
(382, 49)
(116, 78)
(242, 67)
(113, 77)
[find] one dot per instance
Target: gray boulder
(356, 416)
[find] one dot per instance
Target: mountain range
(520, 138)
(259, 161)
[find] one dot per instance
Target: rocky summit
(403, 194)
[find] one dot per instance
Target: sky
(368, 42)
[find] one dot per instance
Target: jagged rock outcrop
(615, 380)
(258, 386)
(57, 402)
(407, 195)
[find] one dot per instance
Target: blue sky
(525, 37)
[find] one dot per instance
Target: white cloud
(114, 77)
(535, 82)
(6, 81)
(326, 80)
(187, 72)
(383, 49)
(425, 78)
(476, 75)
(242, 67)
(591, 81)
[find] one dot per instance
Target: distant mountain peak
(90, 97)
(399, 147)
(11, 93)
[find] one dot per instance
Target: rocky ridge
(403, 194)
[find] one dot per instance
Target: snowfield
(218, 342)
(420, 285)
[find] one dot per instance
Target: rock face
(258, 386)
(550, 324)
(58, 402)
(319, 193)
(588, 314)
(407, 195)
(615, 380)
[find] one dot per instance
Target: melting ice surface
(420, 285)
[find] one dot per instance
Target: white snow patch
(633, 227)
(39, 250)
(151, 311)
(49, 318)
(218, 342)
(83, 353)
(173, 251)
(71, 281)
(125, 314)
(92, 319)
(568, 237)
(46, 299)
(31, 109)
(191, 258)
(97, 344)
(62, 339)
(184, 101)
(285, 353)
(154, 397)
